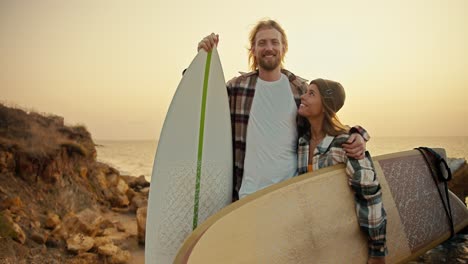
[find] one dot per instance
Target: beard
(269, 64)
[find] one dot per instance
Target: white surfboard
(192, 171)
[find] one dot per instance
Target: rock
(119, 200)
(141, 182)
(84, 172)
(11, 229)
(136, 183)
(130, 194)
(101, 179)
(122, 257)
(60, 232)
(87, 222)
(80, 243)
(35, 224)
(85, 258)
(39, 237)
(112, 179)
(53, 241)
(122, 186)
(459, 183)
(138, 201)
(53, 220)
(454, 163)
(108, 249)
(11, 202)
(145, 191)
(25, 169)
(114, 254)
(141, 224)
(121, 210)
(101, 241)
(19, 234)
(7, 161)
(119, 226)
(106, 223)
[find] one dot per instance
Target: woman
(321, 135)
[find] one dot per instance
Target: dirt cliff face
(48, 175)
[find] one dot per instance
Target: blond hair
(265, 24)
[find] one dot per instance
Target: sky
(114, 66)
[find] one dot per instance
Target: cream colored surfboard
(311, 219)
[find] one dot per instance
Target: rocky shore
(57, 203)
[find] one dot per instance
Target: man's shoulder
(242, 79)
(293, 77)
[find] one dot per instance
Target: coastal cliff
(58, 204)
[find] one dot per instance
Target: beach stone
(85, 258)
(122, 186)
(52, 221)
(455, 163)
(80, 243)
(38, 250)
(459, 183)
(131, 193)
(112, 179)
(39, 237)
(121, 210)
(136, 183)
(120, 227)
(7, 161)
(121, 257)
(141, 182)
(101, 179)
(84, 172)
(141, 224)
(87, 222)
(145, 191)
(54, 240)
(19, 234)
(101, 241)
(138, 201)
(108, 249)
(11, 202)
(106, 223)
(119, 200)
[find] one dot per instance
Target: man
(264, 125)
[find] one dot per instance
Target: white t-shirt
(270, 155)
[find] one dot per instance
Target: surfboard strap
(200, 141)
(440, 173)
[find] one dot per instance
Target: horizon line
(137, 139)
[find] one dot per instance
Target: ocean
(136, 158)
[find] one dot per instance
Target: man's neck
(269, 76)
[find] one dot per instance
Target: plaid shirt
(362, 179)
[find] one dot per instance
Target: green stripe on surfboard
(200, 140)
